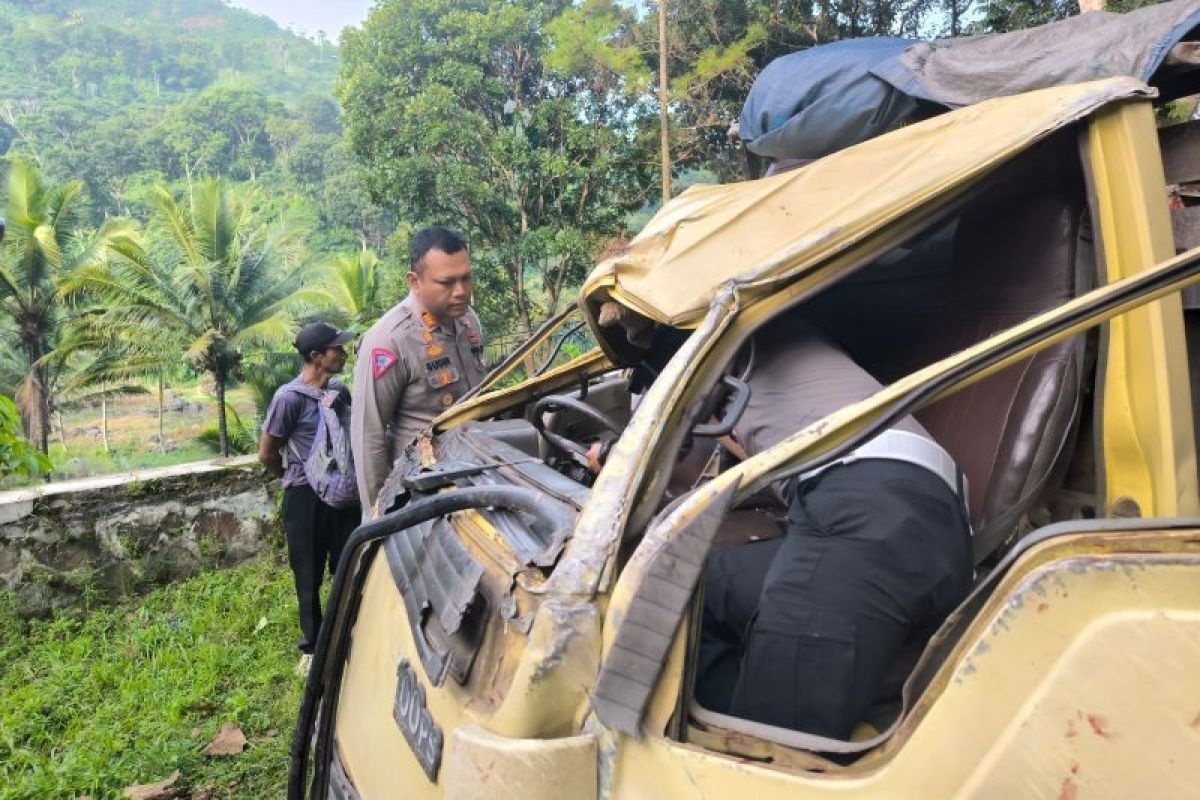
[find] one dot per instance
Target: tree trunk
(43, 412)
(663, 119)
(162, 443)
(104, 422)
(516, 275)
(62, 433)
(222, 422)
(35, 411)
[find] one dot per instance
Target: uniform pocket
(801, 676)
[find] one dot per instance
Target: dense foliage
(450, 106)
(17, 455)
(184, 188)
(127, 95)
(115, 116)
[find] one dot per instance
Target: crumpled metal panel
(436, 575)
(669, 564)
(531, 544)
(757, 233)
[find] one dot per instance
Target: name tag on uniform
(440, 372)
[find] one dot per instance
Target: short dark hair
(435, 237)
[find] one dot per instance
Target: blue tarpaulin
(812, 103)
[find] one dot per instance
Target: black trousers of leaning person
(316, 533)
(799, 632)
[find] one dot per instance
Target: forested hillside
(187, 183)
(120, 122)
(125, 95)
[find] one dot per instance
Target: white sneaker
(303, 665)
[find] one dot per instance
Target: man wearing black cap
(315, 531)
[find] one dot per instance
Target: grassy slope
(126, 695)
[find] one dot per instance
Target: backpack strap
(304, 389)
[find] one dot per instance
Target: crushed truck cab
(506, 626)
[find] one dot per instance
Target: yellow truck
(508, 626)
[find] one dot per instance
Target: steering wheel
(568, 447)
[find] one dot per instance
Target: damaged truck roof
(759, 234)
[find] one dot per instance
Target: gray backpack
(329, 466)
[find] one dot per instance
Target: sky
(310, 16)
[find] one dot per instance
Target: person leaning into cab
(800, 631)
(417, 360)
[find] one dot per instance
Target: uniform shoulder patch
(382, 360)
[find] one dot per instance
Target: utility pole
(665, 141)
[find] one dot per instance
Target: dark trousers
(316, 533)
(799, 632)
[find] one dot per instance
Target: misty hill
(126, 94)
(135, 49)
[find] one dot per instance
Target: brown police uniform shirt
(798, 378)
(409, 370)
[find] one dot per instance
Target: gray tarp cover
(812, 103)
(959, 72)
(817, 101)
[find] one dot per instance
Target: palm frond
(24, 195)
(275, 332)
(64, 207)
(178, 225)
(8, 284)
(241, 438)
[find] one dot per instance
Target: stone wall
(116, 535)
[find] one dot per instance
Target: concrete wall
(119, 534)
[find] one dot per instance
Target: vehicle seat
(1009, 255)
(1013, 259)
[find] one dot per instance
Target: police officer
(799, 632)
(417, 360)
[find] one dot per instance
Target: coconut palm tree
(354, 284)
(47, 240)
(210, 279)
(94, 362)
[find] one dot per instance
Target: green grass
(133, 435)
(93, 702)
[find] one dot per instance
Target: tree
(457, 119)
(345, 204)
(715, 50)
(47, 242)
(1000, 16)
(210, 277)
(224, 130)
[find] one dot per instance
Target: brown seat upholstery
(1002, 261)
(1013, 259)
